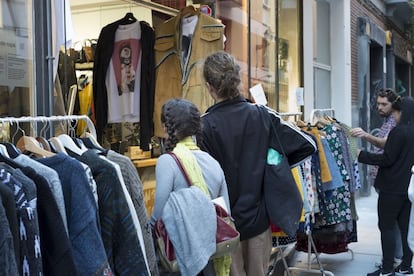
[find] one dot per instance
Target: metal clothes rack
(320, 112)
(296, 115)
(315, 113)
(311, 245)
(278, 251)
(51, 119)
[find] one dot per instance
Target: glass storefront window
(289, 54)
(234, 16)
(264, 36)
(16, 66)
(274, 41)
(16, 58)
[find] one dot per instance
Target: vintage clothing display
(181, 45)
(76, 214)
(125, 54)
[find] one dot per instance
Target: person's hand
(358, 132)
(358, 151)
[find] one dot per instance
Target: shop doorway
(376, 83)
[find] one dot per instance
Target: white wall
(341, 60)
(309, 96)
(340, 43)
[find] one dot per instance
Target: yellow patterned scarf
(183, 151)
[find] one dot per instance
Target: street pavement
(358, 261)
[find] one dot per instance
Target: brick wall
(363, 8)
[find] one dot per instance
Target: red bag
(227, 237)
(227, 240)
(164, 247)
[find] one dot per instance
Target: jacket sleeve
(147, 85)
(392, 150)
(100, 99)
(286, 138)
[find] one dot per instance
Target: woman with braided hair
(181, 121)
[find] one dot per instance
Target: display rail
(51, 119)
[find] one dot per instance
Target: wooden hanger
(188, 11)
(45, 144)
(29, 144)
(301, 123)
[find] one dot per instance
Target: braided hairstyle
(181, 118)
(222, 72)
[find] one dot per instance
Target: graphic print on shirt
(125, 62)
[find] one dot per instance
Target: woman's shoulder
(205, 157)
(165, 160)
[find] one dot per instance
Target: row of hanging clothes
(335, 179)
(70, 207)
(327, 181)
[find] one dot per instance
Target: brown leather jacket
(176, 78)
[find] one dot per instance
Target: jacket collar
(226, 103)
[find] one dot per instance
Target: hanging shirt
(388, 124)
(188, 25)
(123, 78)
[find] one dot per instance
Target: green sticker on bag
(273, 157)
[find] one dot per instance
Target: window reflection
(16, 58)
(16, 63)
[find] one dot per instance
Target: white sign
(299, 96)
(258, 94)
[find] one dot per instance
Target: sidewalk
(363, 254)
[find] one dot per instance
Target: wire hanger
(67, 142)
(129, 16)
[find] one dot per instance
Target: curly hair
(388, 93)
(222, 72)
(181, 118)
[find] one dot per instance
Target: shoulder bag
(227, 237)
(282, 198)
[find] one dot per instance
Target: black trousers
(392, 209)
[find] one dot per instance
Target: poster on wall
(14, 59)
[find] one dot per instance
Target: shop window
(264, 38)
(16, 58)
(16, 65)
(322, 54)
(289, 57)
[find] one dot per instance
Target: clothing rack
(311, 246)
(279, 254)
(320, 112)
(289, 114)
(278, 251)
(51, 119)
